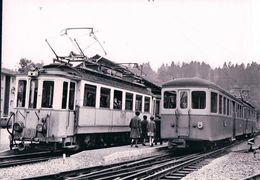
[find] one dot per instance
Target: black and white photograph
(129, 90)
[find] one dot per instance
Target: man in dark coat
(135, 125)
(144, 129)
(158, 130)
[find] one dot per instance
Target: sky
(136, 31)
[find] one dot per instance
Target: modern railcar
(91, 103)
(196, 112)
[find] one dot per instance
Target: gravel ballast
(83, 159)
(238, 164)
(231, 166)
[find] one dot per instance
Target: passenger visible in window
(117, 104)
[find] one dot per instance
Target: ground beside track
(238, 164)
(83, 159)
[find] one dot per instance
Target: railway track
(114, 170)
(21, 159)
(157, 167)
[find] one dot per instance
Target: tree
(26, 65)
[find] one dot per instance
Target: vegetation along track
(27, 158)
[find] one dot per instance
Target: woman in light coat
(151, 130)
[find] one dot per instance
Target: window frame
(24, 93)
(119, 104)
(216, 102)
(64, 100)
(145, 103)
(35, 94)
(170, 105)
(205, 99)
(127, 99)
(140, 109)
(85, 98)
(72, 96)
(107, 100)
(52, 103)
(180, 103)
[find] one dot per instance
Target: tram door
(182, 113)
(233, 119)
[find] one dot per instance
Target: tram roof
(195, 82)
(198, 82)
(190, 82)
(88, 74)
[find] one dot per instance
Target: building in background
(7, 93)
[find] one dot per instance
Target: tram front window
(183, 100)
(169, 100)
(198, 99)
(47, 94)
(21, 93)
(33, 93)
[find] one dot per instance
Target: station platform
(119, 154)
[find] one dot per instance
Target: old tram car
(197, 113)
(80, 106)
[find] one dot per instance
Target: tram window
(169, 100)
(146, 104)
(89, 95)
(220, 104)
(117, 99)
(33, 93)
(64, 95)
(105, 97)
(228, 107)
(47, 94)
(21, 93)
(238, 111)
(138, 103)
(214, 102)
(183, 100)
(198, 99)
(233, 108)
(224, 106)
(129, 101)
(72, 95)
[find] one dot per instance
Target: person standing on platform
(151, 130)
(144, 129)
(135, 125)
(158, 130)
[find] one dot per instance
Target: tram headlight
(39, 127)
(18, 127)
(200, 125)
(42, 128)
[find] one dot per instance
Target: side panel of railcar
(200, 127)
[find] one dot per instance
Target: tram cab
(45, 106)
